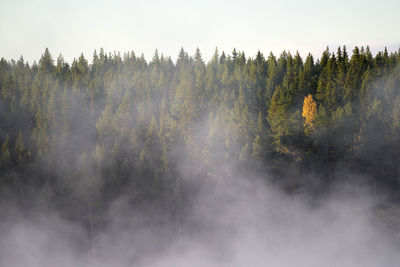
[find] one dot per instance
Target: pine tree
(40, 134)
(257, 148)
(278, 116)
(396, 115)
(5, 154)
(19, 149)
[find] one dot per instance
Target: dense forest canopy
(81, 134)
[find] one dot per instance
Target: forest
(76, 136)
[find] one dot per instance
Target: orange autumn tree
(309, 112)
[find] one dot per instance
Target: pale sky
(71, 27)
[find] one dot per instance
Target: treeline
(82, 134)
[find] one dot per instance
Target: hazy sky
(76, 26)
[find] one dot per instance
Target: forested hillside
(80, 135)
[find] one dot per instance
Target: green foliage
(5, 154)
(138, 119)
(19, 149)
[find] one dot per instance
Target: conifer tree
(257, 148)
(19, 149)
(5, 154)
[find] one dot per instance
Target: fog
(232, 213)
(234, 219)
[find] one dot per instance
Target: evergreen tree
(19, 149)
(5, 154)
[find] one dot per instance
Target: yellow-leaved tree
(309, 112)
